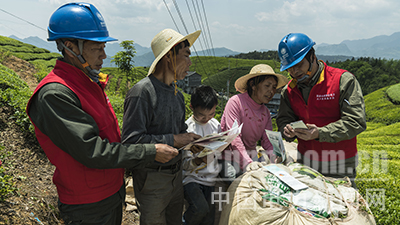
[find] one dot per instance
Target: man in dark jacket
(154, 112)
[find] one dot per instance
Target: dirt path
(24, 69)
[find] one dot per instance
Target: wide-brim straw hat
(165, 40)
(258, 70)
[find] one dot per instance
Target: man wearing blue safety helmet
(329, 101)
(76, 126)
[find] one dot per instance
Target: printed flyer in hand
(215, 142)
(276, 140)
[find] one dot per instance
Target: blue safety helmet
(78, 21)
(293, 48)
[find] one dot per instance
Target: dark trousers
(200, 210)
(159, 195)
(105, 212)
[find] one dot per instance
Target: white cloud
(241, 25)
(131, 20)
(149, 4)
(291, 10)
(333, 20)
(116, 6)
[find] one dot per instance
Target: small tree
(124, 59)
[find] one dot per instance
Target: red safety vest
(76, 183)
(322, 108)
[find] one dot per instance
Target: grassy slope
(379, 151)
(41, 58)
(216, 72)
(208, 66)
(27, 52)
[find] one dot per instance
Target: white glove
(255, 166)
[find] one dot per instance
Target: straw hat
(165, 40)
(258, 70)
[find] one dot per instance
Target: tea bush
(25, 49)
(117, 103)
(380, 109)
(15, 92)
(6, 41)
(393, 92)
(7, 184)
(33, 56)
(378, 173)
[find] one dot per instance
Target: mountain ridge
(144, 55)
(381, 46)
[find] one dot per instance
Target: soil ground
(35, 201)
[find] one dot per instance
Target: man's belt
(174, 167)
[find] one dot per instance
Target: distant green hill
(216, 71)
(28, 52)
(209, 65)
(381, 106)
(220, 80)
(41, 58)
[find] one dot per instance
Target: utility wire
(201, 27)
(171, 16)
(190, 13)
(205, 36)
(183, 22)
(208, 28)
(184, 25)
(23, 20)
(11, 29)
(200, 42)
(180, 16)
(197, 12)
(194, 24)
(202, 24)
(212, 48)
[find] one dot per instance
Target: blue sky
(240, 25)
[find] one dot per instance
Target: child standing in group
(199, 174)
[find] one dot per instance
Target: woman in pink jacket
(248, 108)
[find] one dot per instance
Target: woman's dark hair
(204, 97)
(255, 81)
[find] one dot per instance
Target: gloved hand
(255, 166)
